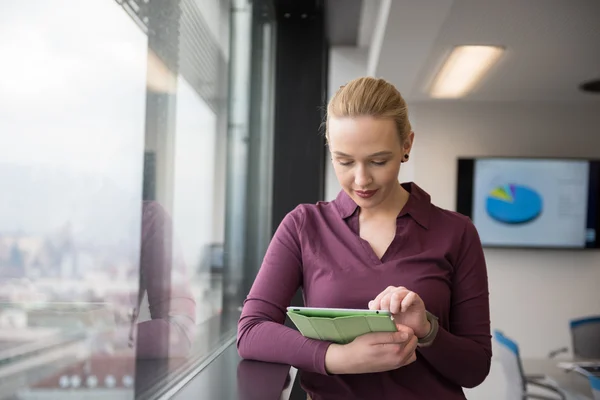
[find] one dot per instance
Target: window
(124, 189)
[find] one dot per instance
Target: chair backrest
(585, 337)
(595, 383)
(507, 354)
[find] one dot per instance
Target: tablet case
(341, 330)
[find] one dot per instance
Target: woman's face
(366, 153)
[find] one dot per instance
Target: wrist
(425, 331)
(335, 359)
(428, 339)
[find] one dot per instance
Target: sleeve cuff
(319, 358)
(441, 337)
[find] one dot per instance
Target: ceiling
(552, 46)
(343, 21)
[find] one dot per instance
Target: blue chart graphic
(513, 204)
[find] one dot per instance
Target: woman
(382, 245)
(164, 280)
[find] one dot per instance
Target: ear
(408, 143)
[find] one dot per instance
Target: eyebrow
(378, 154)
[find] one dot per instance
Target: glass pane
(72, 104)
(194, 188)
(184, 182)
(121, 165)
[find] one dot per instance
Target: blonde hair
(372, 97)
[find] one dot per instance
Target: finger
(396, 300)
(405, 331)
(411, 344)
(382, 295)
(411, 300)
(403, 335)
(385, 301)
(408, 352)
(408, 300)
(411, 359)
(376, 303)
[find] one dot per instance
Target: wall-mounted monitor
(531, 202)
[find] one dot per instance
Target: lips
(365, 194)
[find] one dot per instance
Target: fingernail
(370, 304)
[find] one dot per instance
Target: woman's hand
(406, 307)
(373, 352)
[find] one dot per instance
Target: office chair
(585, 338)
(518, 382)
(595, 383)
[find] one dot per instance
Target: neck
(391, 206)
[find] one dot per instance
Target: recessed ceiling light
(463, 69)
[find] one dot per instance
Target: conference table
(573, 383)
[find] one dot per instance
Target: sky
(72, 106)
(72, 121)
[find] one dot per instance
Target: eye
(344, 163)
(379, 163)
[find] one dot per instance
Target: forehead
(360, 135)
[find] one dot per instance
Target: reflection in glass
(166, 283)
(72, 91)
(184, 163)
(194, 186)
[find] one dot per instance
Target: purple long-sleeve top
(163, 277)
(435, 253)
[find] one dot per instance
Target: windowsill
(157, 377)
(230, 377)
(214, 372)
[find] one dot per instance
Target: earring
(405, 158)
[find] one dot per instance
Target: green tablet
(339, 325)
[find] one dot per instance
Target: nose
(362, 178)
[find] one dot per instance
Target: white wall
(531, 291)
(345, 64)
(533, 294)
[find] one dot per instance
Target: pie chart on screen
(513, 204)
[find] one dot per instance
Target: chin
(366, 203)
(370, 203)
